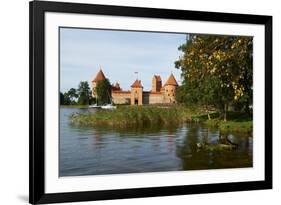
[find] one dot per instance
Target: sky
(119, 54)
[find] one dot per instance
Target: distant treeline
(83, 94)
(80, 96)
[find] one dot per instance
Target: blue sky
(119, 53)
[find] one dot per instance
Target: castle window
(168, 94)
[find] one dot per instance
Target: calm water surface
(92, 151)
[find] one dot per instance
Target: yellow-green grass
(137, 116)
(231, 126)
(125, 116)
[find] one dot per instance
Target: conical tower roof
(100, 76)
(171, 80)
(136, 84)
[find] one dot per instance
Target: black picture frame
(37, 194)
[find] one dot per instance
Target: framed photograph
(140, 102)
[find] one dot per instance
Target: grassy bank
(126, 116)
(135, 116)
(237, 122)
(231, 126)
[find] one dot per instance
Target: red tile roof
(115, 87)
(171, 81)
(136, 84)
(100, 76)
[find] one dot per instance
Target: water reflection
(90, 151)
(194, 158)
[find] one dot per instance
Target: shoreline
(134, 116)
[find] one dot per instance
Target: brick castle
(159, 94)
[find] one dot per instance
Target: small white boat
(108, 107)
(95, 106)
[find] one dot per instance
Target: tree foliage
(72, 93)
(84, 93)
(217, 71)
(103, 90)
(80, 96)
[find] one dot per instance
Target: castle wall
(156, 99)
(153, 98)
(125, 97)
(121, 97)
(145, 98)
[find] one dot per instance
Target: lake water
(97, 151)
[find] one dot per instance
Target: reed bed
(127, 116)
(149, 116)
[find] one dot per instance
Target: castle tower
(156, 83)
(136, 93)
(170, 89)
(116, 87)
(100, 76)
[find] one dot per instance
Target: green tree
(103, 90)
(84, 93)
(66, 99)
(72, 94)
(217, 71)
(92, 100)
